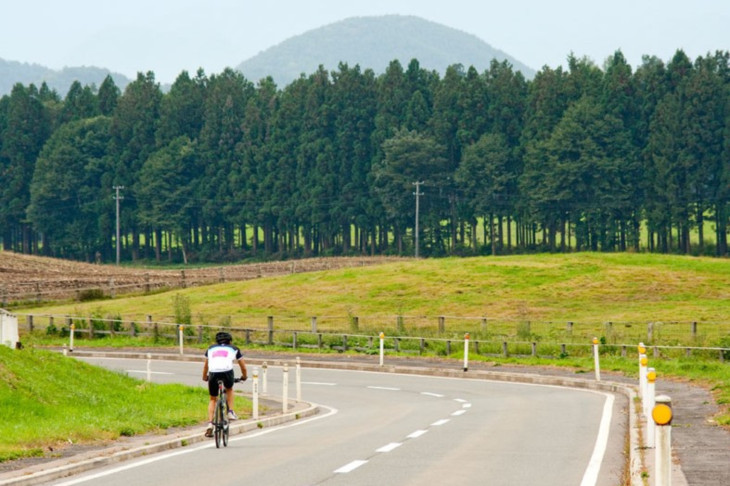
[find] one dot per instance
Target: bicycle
(221, 425)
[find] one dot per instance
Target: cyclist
(219, 359)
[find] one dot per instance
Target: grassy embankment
(588, 289)
(48, 400)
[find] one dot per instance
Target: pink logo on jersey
(220, 353)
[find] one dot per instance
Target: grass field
(585, 288)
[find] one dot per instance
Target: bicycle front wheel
(220, 418)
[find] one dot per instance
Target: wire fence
(440, 335)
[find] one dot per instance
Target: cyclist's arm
(205, 370)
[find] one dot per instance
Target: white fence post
(255, 392)
(662, 416)
(466, 351)
(285, 394)
(596, 359)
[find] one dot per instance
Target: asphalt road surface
(377, 428)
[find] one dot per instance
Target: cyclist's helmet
(223, 338)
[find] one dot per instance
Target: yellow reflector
(644, 361)
(662, 414)
(651, 376)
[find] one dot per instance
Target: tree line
(336, 162)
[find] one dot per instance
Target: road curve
(381, 428)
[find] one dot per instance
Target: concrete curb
(75, 465)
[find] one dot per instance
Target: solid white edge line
(590, 477)
(185, 450)
(350, 467)
(151, 372)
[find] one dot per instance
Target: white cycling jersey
(221, 357)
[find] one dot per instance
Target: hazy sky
(167, 36)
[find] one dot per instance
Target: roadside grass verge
(48, 400)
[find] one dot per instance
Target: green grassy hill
(582, 287)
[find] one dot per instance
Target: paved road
(378, 428)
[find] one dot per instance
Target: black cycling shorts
(213, 377)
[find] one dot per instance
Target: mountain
(12, 72)
(373, 42)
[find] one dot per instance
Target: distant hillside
(373, 42)
(12, 72)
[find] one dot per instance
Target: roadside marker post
(255, 393)
(285, 394)
(382, 347)
(596, 359)
(642, 353)
(149, 367)
(466, 351)
(180, 337)
(264, 378)
(299, 380)
(650, 425)
(643, 363)
(662, 416)
(71, 337)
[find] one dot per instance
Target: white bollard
(643, 363)
(299, 380)
(382, 347)
(650, 425)
(180, 335)
(71, 337)
(285, 394)
(662, 416)
(642, 352)
(255, 393)
(466, 351)
(596, 359)
(149, 367)
(265, 379)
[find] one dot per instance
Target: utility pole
(418, 193)
(117, 197)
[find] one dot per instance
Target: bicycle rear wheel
(226, 429)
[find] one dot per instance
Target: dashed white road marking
(389, 447)
(383, 388)
(318, 383)
(458, 412)
(416, 434)
(429, 394)
(460, 400)
(350, 467)
(440, 422)
(466, 405)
